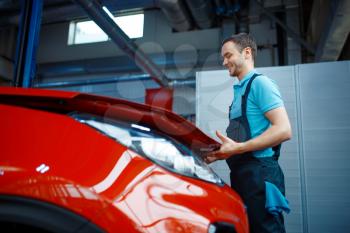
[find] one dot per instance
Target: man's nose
(224, 63)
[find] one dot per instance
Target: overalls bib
(249, 173)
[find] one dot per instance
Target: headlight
(160, 148)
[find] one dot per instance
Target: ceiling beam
(108, 25)
(335, 30)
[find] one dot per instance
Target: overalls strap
(276, 149)
(246, 93)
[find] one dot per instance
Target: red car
(73, 162)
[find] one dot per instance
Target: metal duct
(190, 81)
(124, 65)
(100, 80)
(107, 24)
(176, 14)
(186, 82)
(202, 13)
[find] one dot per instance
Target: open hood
(66, 102)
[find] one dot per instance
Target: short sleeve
(266, 94)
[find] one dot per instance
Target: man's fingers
(220, 136)
(210, 159)
(211, 154)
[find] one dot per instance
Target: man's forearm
(271, 137)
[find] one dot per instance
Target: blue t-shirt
(264, 96)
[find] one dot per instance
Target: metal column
(27, 42)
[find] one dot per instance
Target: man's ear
(248, 53)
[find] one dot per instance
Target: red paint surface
(94, 176)
(160, 97)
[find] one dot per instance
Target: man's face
(233, 59)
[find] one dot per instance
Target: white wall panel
(316, 161)
(325, 113)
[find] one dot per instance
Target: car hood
(157, 118)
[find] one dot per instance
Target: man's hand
(228, 148)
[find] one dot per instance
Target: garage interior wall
(159, 39)
(316, 160)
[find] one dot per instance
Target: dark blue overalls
(249, 173)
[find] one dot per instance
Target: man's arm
(278, 132)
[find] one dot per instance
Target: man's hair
(242, 40)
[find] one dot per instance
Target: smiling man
(258, 125)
